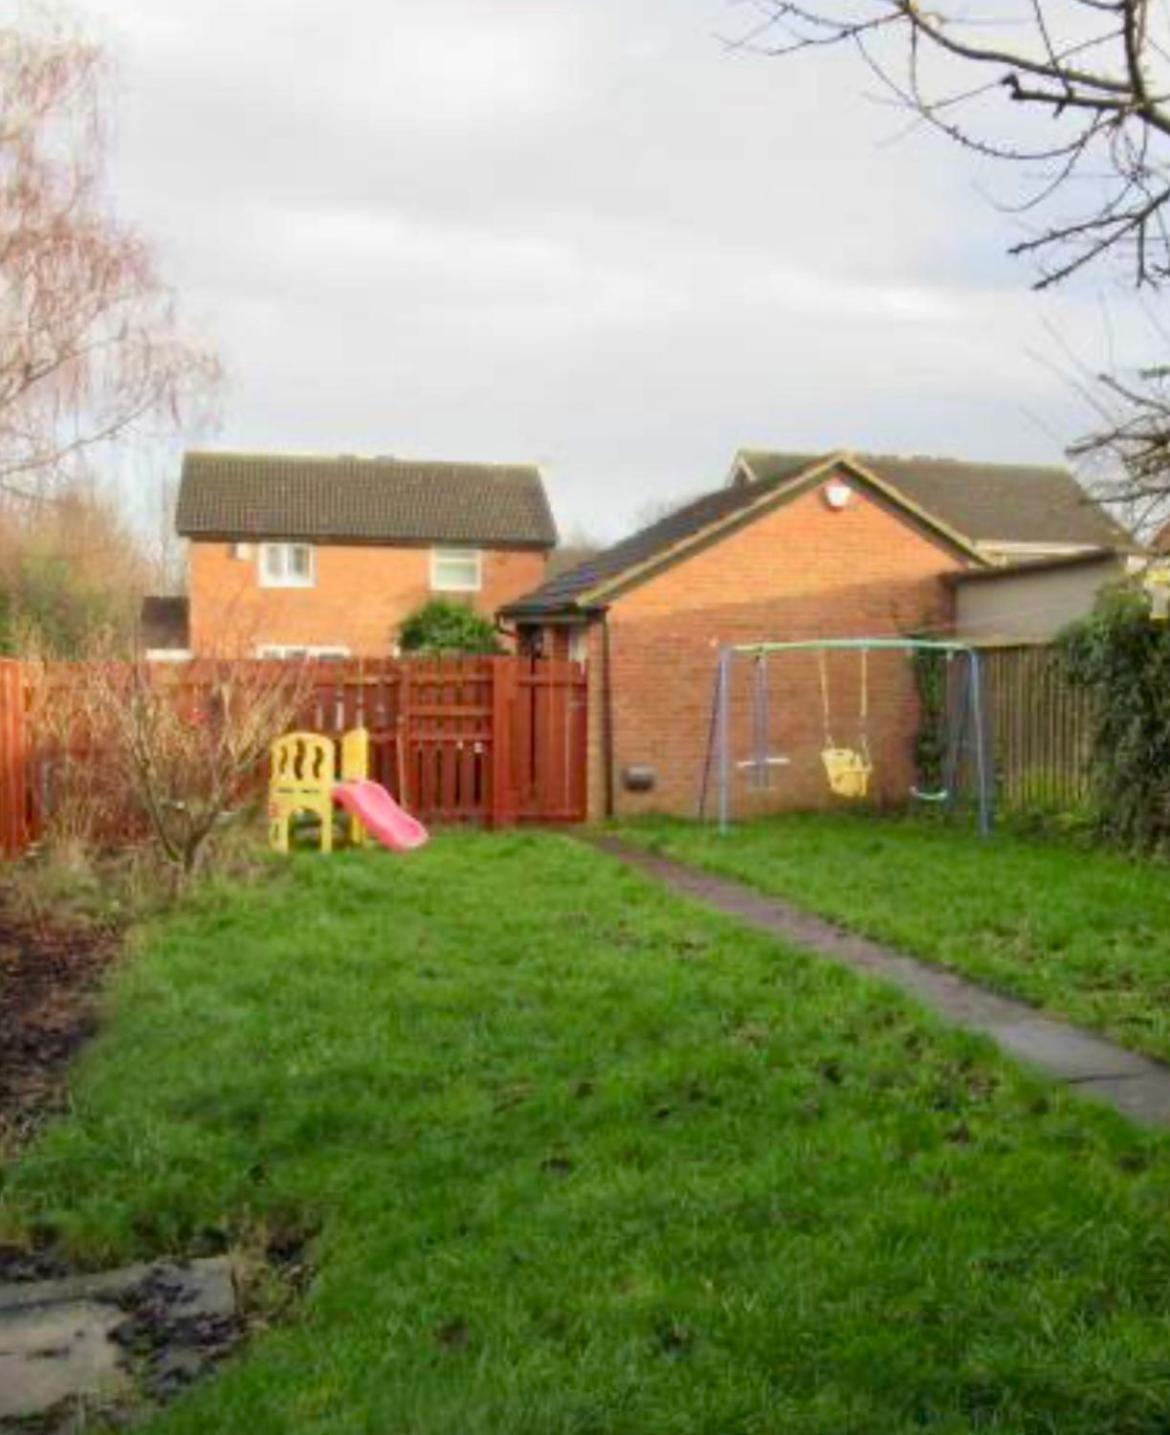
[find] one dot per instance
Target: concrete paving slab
(1070, 1053)
(58, 1338)
(52, 1353)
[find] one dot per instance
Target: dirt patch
(49, 977)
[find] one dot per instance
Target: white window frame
(457, 555)
(278, 575)
(286, 651)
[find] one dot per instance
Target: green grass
(585, 1160)
(1082, 932)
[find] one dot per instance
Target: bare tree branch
(1090, 78)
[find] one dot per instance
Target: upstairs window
(286, 565)
(456, 570)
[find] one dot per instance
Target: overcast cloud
(578, 232)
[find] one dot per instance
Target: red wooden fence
(494, 740)
(13, 753)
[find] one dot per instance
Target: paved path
(1134, 1085)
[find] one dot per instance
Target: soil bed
(49, 977)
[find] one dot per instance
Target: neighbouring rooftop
(985, 504)
(362, 500)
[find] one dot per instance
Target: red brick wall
(801, 571)
(360, 597)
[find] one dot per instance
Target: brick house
(792, 546)
(291, 555)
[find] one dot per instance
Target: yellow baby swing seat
(847, 768)
(848, 771)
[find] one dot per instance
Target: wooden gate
(482, 739)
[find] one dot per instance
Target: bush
(71, 572)
(179, 753)
(442, 626)
(1122, 657)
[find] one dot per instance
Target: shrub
(71, 572)
(1122, 658)
(153, 752)
(442, 626)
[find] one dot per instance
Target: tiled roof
(980, 502)
(363, 500)
(562, 590)
(985, 502)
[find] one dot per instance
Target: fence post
(16, 798)
(503, 812)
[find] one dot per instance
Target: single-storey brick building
(296, 555)
(793, 546)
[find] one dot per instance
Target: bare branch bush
(191, 743)
(1075, 92)
(168, 754)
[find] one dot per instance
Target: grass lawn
(1082, 932)
(585, 1160)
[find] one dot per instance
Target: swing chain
(826, 711)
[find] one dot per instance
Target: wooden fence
(1039, 727)
(491, 740)
(13, 754)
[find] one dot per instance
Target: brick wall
(361, 595)
(801, 571)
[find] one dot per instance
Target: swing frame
(719, 735)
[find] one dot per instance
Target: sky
(588, 234)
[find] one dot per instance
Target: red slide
(380, 815)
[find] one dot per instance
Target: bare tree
(1076, 93)
(1126, 459)
(90, 347)
(1088, 80)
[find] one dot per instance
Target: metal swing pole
(724, 738)
(712, 738)
(980, 745)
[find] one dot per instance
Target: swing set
(848, 769)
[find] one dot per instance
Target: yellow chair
(355, 767)
(301, 780)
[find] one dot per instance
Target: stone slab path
(63, 1343)
(1134, 1085)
